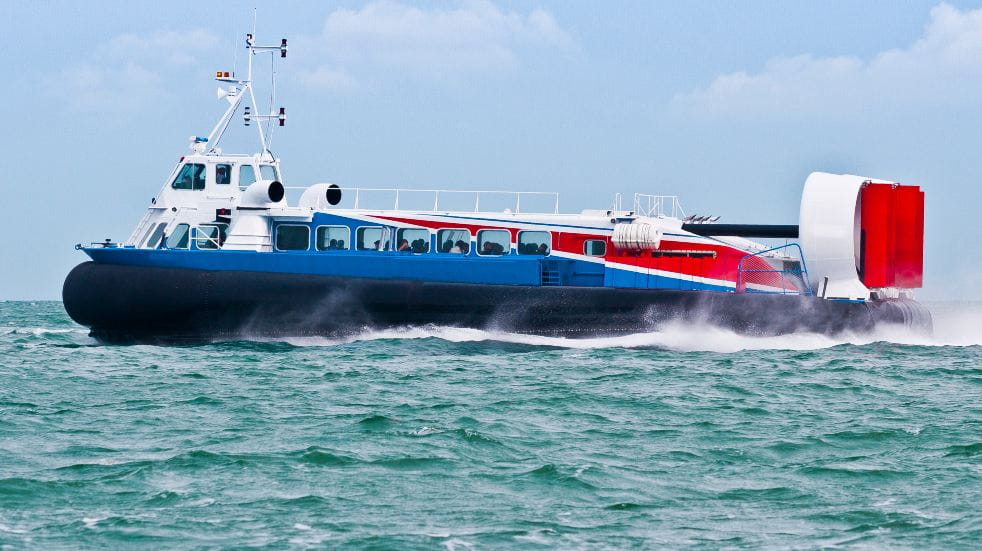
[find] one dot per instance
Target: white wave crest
(955, 325)
(42, 331)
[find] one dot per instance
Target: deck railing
(435, 200)
(655, 206)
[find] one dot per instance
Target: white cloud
(476, 36)
(943, 66)
(130, 70)
(326, 78)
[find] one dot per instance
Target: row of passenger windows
(290, 237)
(295, 237)
(192, 175)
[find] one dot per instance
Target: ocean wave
(43, 331)
(680, 337)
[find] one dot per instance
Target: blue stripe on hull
(505, 270)
(629, 279)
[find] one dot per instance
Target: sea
(444, 438)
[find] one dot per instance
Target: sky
(729, 105)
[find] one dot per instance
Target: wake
(954, 325)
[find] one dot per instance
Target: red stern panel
(908, 269)
(892, 239)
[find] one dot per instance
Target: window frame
(228, 169)
(429, 239)
(317, 242)
(518, 242)
(386, 235)
(479, 244)
(188, 234)
(204, 177)
(470, 238)
(603, 241)
(156, 230)
(238, 175)
(276, 173)
(276, 234)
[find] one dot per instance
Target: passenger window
(413, 240)
(371, 238)
(210, 236)
(454, 241)
(595, 247)
(247, 175)
(292, 237)
(493, 242)
(534, 242)
(155, 236)
(268, 172)
(223, 174)
(178, 239)
(333, 238)
(191, 176)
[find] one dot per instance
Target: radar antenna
(237, 90)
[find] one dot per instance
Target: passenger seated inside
(341, 245)
(404, 246)
(534, 242)
(221, 175)
(460, 247)
(333, 245)
(492, 248)
(420, 246)
(447, 247)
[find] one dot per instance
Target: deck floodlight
(283, 48)
(282, 116)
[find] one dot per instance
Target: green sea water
(438, 438)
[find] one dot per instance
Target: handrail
(655, 205)
(196, 235)
(802, 274)
(437, 193)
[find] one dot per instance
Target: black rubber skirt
(122, 303)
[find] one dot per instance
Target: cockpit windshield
(191, 176)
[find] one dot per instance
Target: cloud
(944, 66)
(474, 37)
(326, 78)
(130, 70)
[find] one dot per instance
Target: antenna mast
(238, 89)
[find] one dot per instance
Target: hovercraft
(226, 251)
